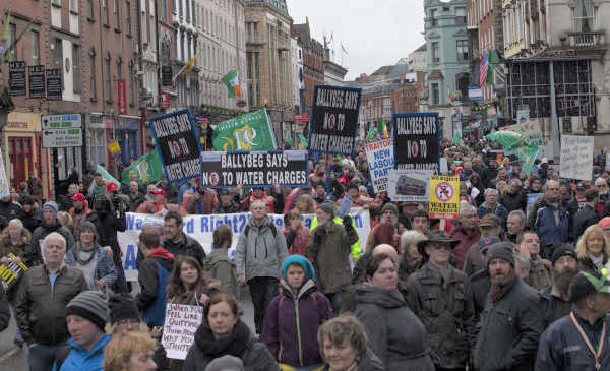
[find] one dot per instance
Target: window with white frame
(584, 16)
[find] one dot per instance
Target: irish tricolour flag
(231, 79)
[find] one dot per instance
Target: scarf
(497, 292)
(235, 344)
(598, 261)
(77, 254)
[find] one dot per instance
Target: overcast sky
(376, 33)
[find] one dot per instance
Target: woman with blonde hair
(306, 204)
(131, 351)
(592, 249)
(412, 259)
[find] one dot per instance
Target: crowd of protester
(518, 281)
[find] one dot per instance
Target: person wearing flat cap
(556, 299)
(490, 226)
(511, 322)
(86, 316)
(437, 294)
(579, 341)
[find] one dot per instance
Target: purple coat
(290, 329)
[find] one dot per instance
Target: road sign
(67, 121)
(54, 138)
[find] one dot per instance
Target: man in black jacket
(587, 216)
(135, 196)
(49, 225)
(514, 198)
(178, 243)
(30, 217)
(227, 203)
(511, 322)
(490, 173)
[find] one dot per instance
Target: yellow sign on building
(444, 197)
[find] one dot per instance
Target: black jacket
(5, 315)
(233, 207)
(488, 175)
(135, 201)
(107, 225)
(509, 331)
(516, 201)
(33, 256)
(239, 343)
(553, 308)
(41, 315)
(188, 246)
(584, 219)
(31, 220)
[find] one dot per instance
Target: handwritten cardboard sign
(181, 322)
(576, 157)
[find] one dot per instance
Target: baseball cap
(490, 220)
(78, 197)
(158, 191)
(112, 187)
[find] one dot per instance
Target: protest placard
(576, 157)
(531, 198)
(10, 272)
(408, 185)
(181, 322)
(334, 119)
(201, 227)
(380, 156)
(254, 169)
(444, 197)
(416, 141)
(177, 144)
(250, 132)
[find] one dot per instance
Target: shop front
(96, 140)
(127, 134)
(23, 150)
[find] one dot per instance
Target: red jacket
(466, 240)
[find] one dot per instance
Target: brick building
(313, 57)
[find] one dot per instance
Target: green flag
(251, 132)
(303, 139)
(148, 168)
(457, 139)
(371, 135)
(106, 175)
(494, 60)
(288, 139)
(519, 144)
(231, 80)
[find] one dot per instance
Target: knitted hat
(390, 206)
(86, 226)
(51, 206)
(604, 223)
(90, 305)
(588, 283)
(562, 250)
(122, 306)
(29, 200)
(501, 250)
(225, 363)
(310, 272)
(327, 207)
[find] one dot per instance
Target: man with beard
(550, 219)
(407, 209)
(555, 299)
(30, 217)
(540, 274)
(79, 211)
(515, 225)
(65, 201)
(511, 322)
(577, 342)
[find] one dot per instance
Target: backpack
(271, 226)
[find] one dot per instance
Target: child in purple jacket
(293, 317)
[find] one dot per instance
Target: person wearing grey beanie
(226, 363)
(86, 316)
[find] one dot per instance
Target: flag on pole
(190, 65)
(344, 48)
(231, 80)
(3, 42)
(484, 67)
(148, 168)
(384, 130)
(494, 60)
(106, 176)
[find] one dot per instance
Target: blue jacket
(105, 266)
(79, 359)
(549, 231)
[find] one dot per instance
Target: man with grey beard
(555, 299)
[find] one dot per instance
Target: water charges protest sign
(255, 168)
(201, 227)
(334, 119)
(444, 197)
(576, 158)
(178, 145)
(10, 272)
(181, 322)
(380, 156)
(416, 141)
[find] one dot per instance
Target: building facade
(313, 55)
(448, 58)
(334, 73)
(268, 61)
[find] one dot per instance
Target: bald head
(386, 249)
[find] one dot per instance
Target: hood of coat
(306, 289)
(366, 293)
(215, 257)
